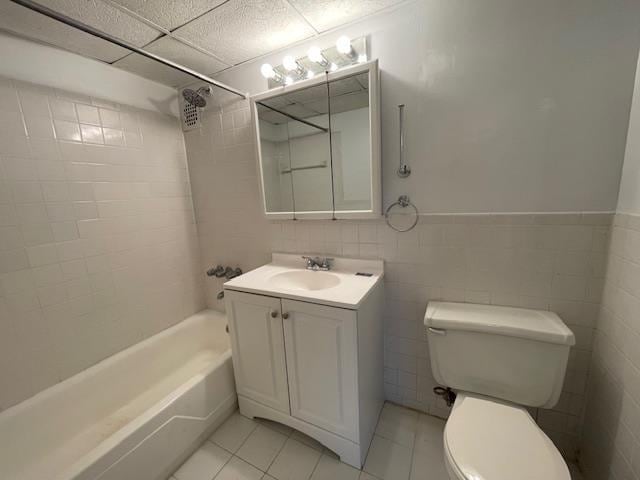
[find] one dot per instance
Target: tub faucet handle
(232, 273)
(218, 271)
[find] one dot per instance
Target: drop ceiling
(206, 35)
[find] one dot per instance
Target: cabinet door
(257, 341)
(321, 348)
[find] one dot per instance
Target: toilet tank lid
(540, 325)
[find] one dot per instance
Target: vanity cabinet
(255, 324)
(316, 368)
(321, 349)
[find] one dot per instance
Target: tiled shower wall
(611, 443)
(551, 261)
(98, 248)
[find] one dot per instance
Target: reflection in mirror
(350, 142)
(274, 145)
(295, 148)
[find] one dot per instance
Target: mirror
(318, 146)
(294, 142)
(350, 146)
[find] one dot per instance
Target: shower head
(197, 97)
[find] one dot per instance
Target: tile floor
(407, 446)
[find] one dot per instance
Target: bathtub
(134, 416)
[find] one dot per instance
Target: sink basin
(305, 280)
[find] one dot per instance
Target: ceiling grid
(206, 35)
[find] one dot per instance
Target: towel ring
(403, 201)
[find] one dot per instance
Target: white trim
(348, 451)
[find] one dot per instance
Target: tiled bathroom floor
(407, 445)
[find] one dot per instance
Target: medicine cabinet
(319, 146)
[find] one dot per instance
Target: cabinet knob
(285, 315)
(274, 313)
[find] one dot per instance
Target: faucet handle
(218, 271)
(326, 262)
(310, 261)
(231, 273)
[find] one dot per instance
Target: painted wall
(611, 443)
(28, 61)
(511, 106)
(98, 245)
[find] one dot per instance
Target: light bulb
(288, 80)
(267, 71)
(343, 45)
(289, 63)
(333, 67)
(315, 55)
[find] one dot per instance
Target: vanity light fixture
(290, 64)
(267, 72)
(343, 45)
(345, 52)
(315, 55)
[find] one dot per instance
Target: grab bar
(404, 170)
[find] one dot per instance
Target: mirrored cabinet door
(274, 146)
(319, 147)
(350, 142)
(299, 180)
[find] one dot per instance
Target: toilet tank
(513, 354)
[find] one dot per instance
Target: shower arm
(46, 11)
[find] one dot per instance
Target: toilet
(499, 360)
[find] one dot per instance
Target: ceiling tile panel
(169, 14)
(178, 52)
(26, 23)
(105, 17)
(327, 14)
(175, 51)
(243, 29)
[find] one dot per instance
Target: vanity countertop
(287, 277)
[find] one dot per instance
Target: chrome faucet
(318, 263)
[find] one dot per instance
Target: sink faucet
(317, 263)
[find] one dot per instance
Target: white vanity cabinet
(317, 368)
(321, 346)
(255, 325)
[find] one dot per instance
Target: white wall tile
(91, 134)
(61, 276)
(88, 114)
(611, 438)
(67, 130)
(39, 127)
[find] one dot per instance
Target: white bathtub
(134, 416)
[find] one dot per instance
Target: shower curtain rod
(36, 7)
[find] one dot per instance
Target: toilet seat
(485, 439)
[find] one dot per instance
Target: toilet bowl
(500, 360)
(486, 439)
